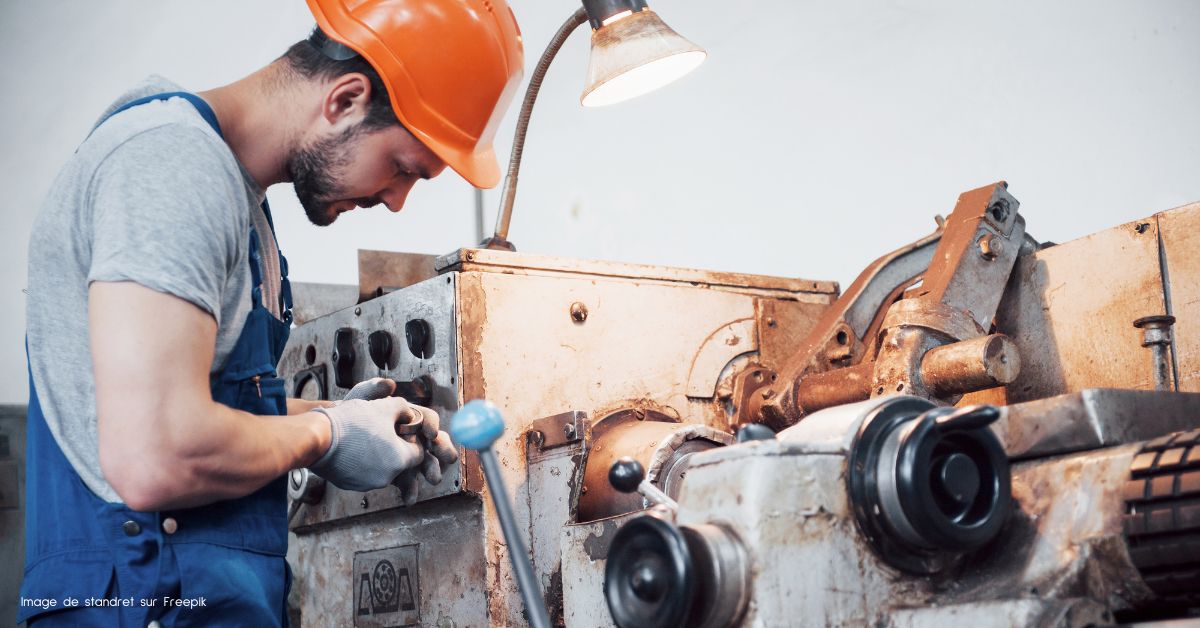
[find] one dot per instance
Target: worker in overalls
(159, 304)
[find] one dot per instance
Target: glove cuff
(333, 441)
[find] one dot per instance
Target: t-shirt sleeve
(167, 211)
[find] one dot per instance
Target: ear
(345, 101)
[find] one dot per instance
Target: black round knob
(754, 431)
(952, 478)
(379, 347)
(626, 474)
(649, 578)
(419, 337)
(956, 479)
(928, 484)
(647, 581)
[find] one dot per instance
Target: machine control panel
(327, 356)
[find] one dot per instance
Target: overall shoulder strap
(202, 107)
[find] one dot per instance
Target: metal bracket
(963, 269)
(754, 380)
(557, 430)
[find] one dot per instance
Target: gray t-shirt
(153, 196)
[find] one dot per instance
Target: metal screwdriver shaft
(476, 426)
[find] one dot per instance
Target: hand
(435, 448)
(364, 451)
(371, 389)
(439, 452)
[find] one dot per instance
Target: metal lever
(974, 417)
(627, 475)
(476, 426)
(754, 431)
(304, 487)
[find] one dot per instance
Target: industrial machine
(981, 428)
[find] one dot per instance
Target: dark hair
(306, 60)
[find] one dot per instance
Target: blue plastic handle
(477, 424)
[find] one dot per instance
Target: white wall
(817, 136)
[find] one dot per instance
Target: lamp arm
(509, 194)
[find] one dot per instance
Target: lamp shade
(635, 54)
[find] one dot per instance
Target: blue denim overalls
(229, 554)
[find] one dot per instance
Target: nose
(395, 195)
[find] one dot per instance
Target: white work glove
(365, 451)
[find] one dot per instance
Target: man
(158, 305)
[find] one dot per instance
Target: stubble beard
(313, 171)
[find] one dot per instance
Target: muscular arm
(164, 442)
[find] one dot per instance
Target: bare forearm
(210, 453)
(300, 406)
(231, 453)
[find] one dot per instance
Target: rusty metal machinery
(1075, 539)
(981, 428)
(587, 360)
(1062, 504)
(916, 322)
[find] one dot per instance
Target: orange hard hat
(451, 68)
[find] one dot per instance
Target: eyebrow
(421, 172)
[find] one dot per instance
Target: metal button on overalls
(131, 528)
(169, 525)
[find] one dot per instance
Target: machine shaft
(476, 426)
(534, 606)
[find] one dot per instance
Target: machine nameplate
(387, 588)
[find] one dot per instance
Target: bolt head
(579, 312)
(990, 247)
